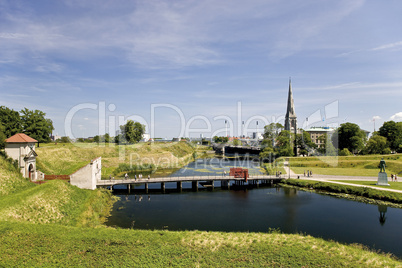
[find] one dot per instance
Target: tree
(393, 132)
(11, 121)
(107, 137)
(271, 132)
(64, 139)
(3, 136)
(96, 139)
(132, 131)
(284, 143)
(236, 142)
(350, 136)
(35, 125)
(304, 143)
(220, 139)
(377, 145)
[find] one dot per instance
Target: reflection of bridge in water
(205, 181)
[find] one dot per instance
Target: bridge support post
(194, 185)
(225, 184)
(163, 187)
(146, 187)
(129, 188)
(212, 183)
(180, 185)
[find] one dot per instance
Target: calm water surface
(258, 210)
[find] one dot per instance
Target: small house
(21, 147)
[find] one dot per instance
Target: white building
(21, 147)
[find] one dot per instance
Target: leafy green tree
(96, 139)
(11, 121)
(220, 139)
(64, 139)
(107, 137)
(35, 125)
(284, 144)
(376, 145)
(236, 142)
(393, 132)
(132, 131)
(3, 136)
(304, 143)
(271, 132)
(350, 136)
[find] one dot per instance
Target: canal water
(259, 210)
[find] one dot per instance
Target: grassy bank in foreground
(105, 247)
(393, 185)
(351, 192)
(66, 158)
(361, 165)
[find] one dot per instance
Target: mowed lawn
(366, 166)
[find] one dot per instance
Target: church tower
(291, 118)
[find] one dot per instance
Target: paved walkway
(335, 178)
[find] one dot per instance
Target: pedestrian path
(335, 178)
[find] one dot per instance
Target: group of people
(394, 177)
(309, 173)
(135, 176)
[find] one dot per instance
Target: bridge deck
(182, 179)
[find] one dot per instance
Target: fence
(57, 177)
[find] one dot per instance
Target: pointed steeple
(290, 119)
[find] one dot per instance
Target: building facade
(317, 133)
(21, 147)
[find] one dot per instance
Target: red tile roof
(20, 138)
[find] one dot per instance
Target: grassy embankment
(364, 165)
(356, 193)
(53, 202)
(67, 158)
(42, 225)
(54, 245)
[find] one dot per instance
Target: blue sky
(179, 66)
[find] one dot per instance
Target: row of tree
(31, 122)
(131, 132)
(347, 139)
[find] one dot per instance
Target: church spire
(290, 119)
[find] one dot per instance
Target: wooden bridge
(206, 181)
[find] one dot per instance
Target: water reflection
(382, 209)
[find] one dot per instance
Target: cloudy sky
(186, 67)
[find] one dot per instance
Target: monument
(382, 175)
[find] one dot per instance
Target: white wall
(86, 177)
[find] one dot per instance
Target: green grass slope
(52, 202)
(61, 159)
(364, 165)
(11, 179)
(53, 245)
(56, 202)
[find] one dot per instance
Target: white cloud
(396, 117)
(396, 45)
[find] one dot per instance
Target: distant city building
(257, 136)
(21, 147)
(317, 132)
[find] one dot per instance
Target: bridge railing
(184, 178)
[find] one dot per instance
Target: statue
(382, 165)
